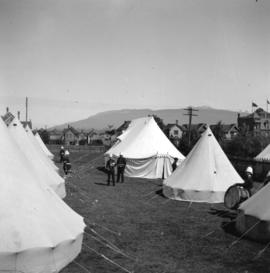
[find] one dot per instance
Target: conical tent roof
(39, 232)
(43, 146)
(148, 151)
(254, 216)
(205, 174)
(37, 147)
(144, 139)
(38, 163)
(264, 154)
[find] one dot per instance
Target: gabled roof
(170, 125)
(225, 127)
(73, 130)
(199, 126)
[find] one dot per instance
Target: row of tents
(203, 176)
(39, 231)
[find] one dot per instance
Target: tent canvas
(254, 216)
(43, 146)
(205, 174)
(148, 151)
(39, 165)
(38, 148)
(264, 154)
(39, 232)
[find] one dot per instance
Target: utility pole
(26, 109)
(190, 113)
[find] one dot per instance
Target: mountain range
(115, 118)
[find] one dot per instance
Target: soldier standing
(121, 165)
(110, 165)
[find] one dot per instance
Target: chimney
(176, 122)
(19, 114)
(7, 109)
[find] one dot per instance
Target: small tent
(39, 165)
(43, 146)
(264, 155)
(38, 148)
(253, 219)
(148, 151)
(205, 174)
(39, 232)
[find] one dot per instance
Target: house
(199, 128)
(174, 132)
(55, 136)
(92, 137)
(257, 123)
(82, 137)
(229, 131)
(71, 136)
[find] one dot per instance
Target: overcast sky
(74, 58)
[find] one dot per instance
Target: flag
(254, 104)
(268, 102)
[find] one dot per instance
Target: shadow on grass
(223, 213)
(102, 169)
(229, 227)
(101, 184)
(160, 193)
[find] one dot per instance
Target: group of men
(111, 165)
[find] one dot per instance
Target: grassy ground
(158, 235)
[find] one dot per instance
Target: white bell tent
(43, 146)
(264, 155)
(38, 148)
(39, 165)
(205, 174)
(254, 216)
(148, 151)
(39, 232)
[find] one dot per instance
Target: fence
(260, 168)
(54, 148)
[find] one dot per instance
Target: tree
(159, 122)
(44, 135)
(218, 131)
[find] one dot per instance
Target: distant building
(71, 136)
(174, 132)
(229, 130)
(55, 136)
(257, 123)
(92, 137)
(199, 128)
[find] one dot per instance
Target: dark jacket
(121, 162)
(110, 165)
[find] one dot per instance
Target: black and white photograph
(134, 136)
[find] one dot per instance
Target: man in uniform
(248, 184)
(121, 165)
(62, 154)
(110, 165)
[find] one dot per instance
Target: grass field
(154, 234)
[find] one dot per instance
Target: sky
(75, 58)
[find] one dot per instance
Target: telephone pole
(26, 109)
(190, 113)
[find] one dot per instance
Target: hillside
(117, 117)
